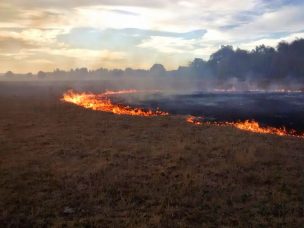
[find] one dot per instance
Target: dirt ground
(62, 165)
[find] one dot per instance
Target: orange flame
(193, 120)
(249, 125)
(254, 126)
(101, 102)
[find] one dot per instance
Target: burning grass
(102, 102)
(247, 125)
(193, 120)
(254, 126)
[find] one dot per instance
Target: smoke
(264, 68)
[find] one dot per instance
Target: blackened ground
(270, 109)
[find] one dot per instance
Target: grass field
(61, 165)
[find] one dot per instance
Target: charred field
(62, 165)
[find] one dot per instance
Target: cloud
(118, 33)
(32, 37)
(273, 42)
(37, 49)
(131, 13)
(169, 44)
(213, 5)
(81, 3)
(183, 48)
(118, 39)
(47, 59)
(13, 45)
(286, 19)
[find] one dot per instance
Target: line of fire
(102, 102)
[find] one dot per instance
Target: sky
(50, 34)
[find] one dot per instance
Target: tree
(41, 75)
(9, 75)
(158, 70)
(221, 62)
(262, 60)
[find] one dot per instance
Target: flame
(254, 126)
(102, 102)
(248, 125)
(193, 120)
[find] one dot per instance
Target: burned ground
(64, 165)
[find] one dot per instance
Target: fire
(193, 120)
(102, 102)
(254, 126)
(248, 125)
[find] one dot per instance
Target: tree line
(262, 65)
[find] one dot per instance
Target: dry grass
(61, 165)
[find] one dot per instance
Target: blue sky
(49, 34)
